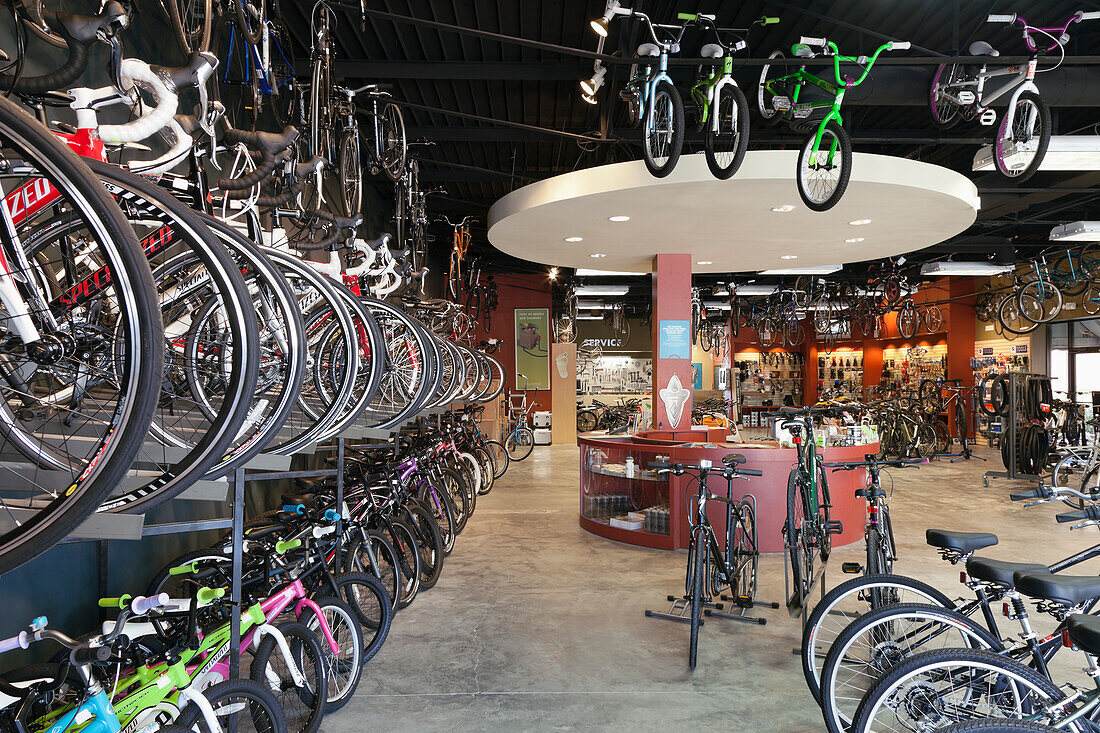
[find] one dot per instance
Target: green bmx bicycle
(825, 161)
(720, 104)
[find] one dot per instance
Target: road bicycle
(259, 60)
(721, 108)
(386, 149)
(807, 529)
(651, 97)
(912, 320)
(825, 161)
(959, 92)
(710, 566)
(460, 243)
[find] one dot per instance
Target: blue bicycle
(651, 96)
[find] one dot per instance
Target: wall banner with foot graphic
(533, 337)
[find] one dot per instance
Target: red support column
(672, 382)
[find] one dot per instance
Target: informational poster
(675, 340)
(532, 348)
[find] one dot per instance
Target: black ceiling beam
(491, 121)
(849, 26)
(463, 70)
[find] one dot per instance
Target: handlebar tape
(280, 198)
(263, 169)
(155, 118)
(69, 72)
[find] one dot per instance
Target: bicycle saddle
(1084, 632)
(733, 459)
(711, 51)
(1067, 589)
(964, 542)
(802, 51)
(306, 499)
(997, 571)
(265, 529)
(981, 48)
(198, 68)
(649, 49)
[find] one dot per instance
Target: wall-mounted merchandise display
(840, 375)
(769, 378)
(905, 367)
(614, 374)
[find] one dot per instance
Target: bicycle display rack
(1009, 428)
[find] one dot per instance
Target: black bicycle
(710, 568)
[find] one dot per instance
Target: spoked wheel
(393, 148)
(241, 705)
(698, 578)
(1018, 153)
(351, 173)
(519, 444)
(765, 100)
(728, 134)
(798, 535)
(500, 457)
(744, 555)
(192, 20)
(823, 172)
(945, 113)
(663, 130)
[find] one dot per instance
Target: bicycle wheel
(992, 725)
(377, 558)
(877, 641)
(351, 173)
(192, 21)
(519, 443)
(303, 706)
(848, 602)
(371, 604)
(393, 148)
(954, 685)
(241, 705)
(728, 133)
(1039, 301)
(429, 543)
(797, 534)
(908, 322)
(744, 555)
(663, 130)
(765, 100)
(824, 170)
(1090, 299)
(945, 113)
(1018, 153)
(409, 376)
(403, 540)
(698, 578)
(82, 417)
(500, 457)
(586, 421)
(320, 109)
(251, 15)
(933, 319)
(286, 100)
(344, 667)
(439, 504)
(942, 439)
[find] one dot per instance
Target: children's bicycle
(959, 92)
(825, 161)
(652, 98)
(721, 107)
(520, 439)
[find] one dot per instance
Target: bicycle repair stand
(966, 452)
(1016, 381)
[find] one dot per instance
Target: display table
(654, 506)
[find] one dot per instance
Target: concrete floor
(538, 625)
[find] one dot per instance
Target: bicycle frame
(258, 62)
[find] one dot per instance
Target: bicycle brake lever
(1082, 525)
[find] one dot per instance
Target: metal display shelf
(1016, 381)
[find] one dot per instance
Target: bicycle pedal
(781, 103)
(834, 526)
(851, 568)
(802, 111)
(744, 601)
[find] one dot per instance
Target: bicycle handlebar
(1000, 18)
(23, 640)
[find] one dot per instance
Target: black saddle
(1067, 589)
(964, 542)
(307, 499)
(733, 459)
(997, 571)
(1084, 632)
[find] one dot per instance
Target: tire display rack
(1010, 423)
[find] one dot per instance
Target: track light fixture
(600, 25)
(591, 86)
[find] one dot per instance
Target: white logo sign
(675, 397)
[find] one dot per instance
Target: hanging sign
(675, 340)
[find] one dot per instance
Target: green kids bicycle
(720, 104)
(825, 161)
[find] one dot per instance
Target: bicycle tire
(990, 725)
(698, 579)
(731, 101)
(825, 622)
(874, 632)
(801, 562)
(385, 567)
(651, 154)
(499, 454)
(826, 195)
(745, 554)
(440, 506)
(249, 27)
(191, 37)
(1000, 150)
(519, 444)
(94, 476)
(303, 707)
(1021, 677)
(429, 543)
(264, 713)
(351, 172)
(369, 600)
(944, 113)
(344, 668)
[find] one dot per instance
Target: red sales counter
(651, 509)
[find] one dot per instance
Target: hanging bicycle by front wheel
(824, 167)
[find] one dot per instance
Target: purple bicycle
(959, 92)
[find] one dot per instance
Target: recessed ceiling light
(597, 255)
(618, 218)
(855, 240)
(574, 239)
(704, 262)
(783, 209)
(789, 257)
(859, 222)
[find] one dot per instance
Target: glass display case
(620, 492)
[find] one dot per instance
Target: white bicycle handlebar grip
(1091, 15)
(20, 641)
(900, 45)
(156, 118)
(1001, 18)
(813, 41)
(143, 605)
